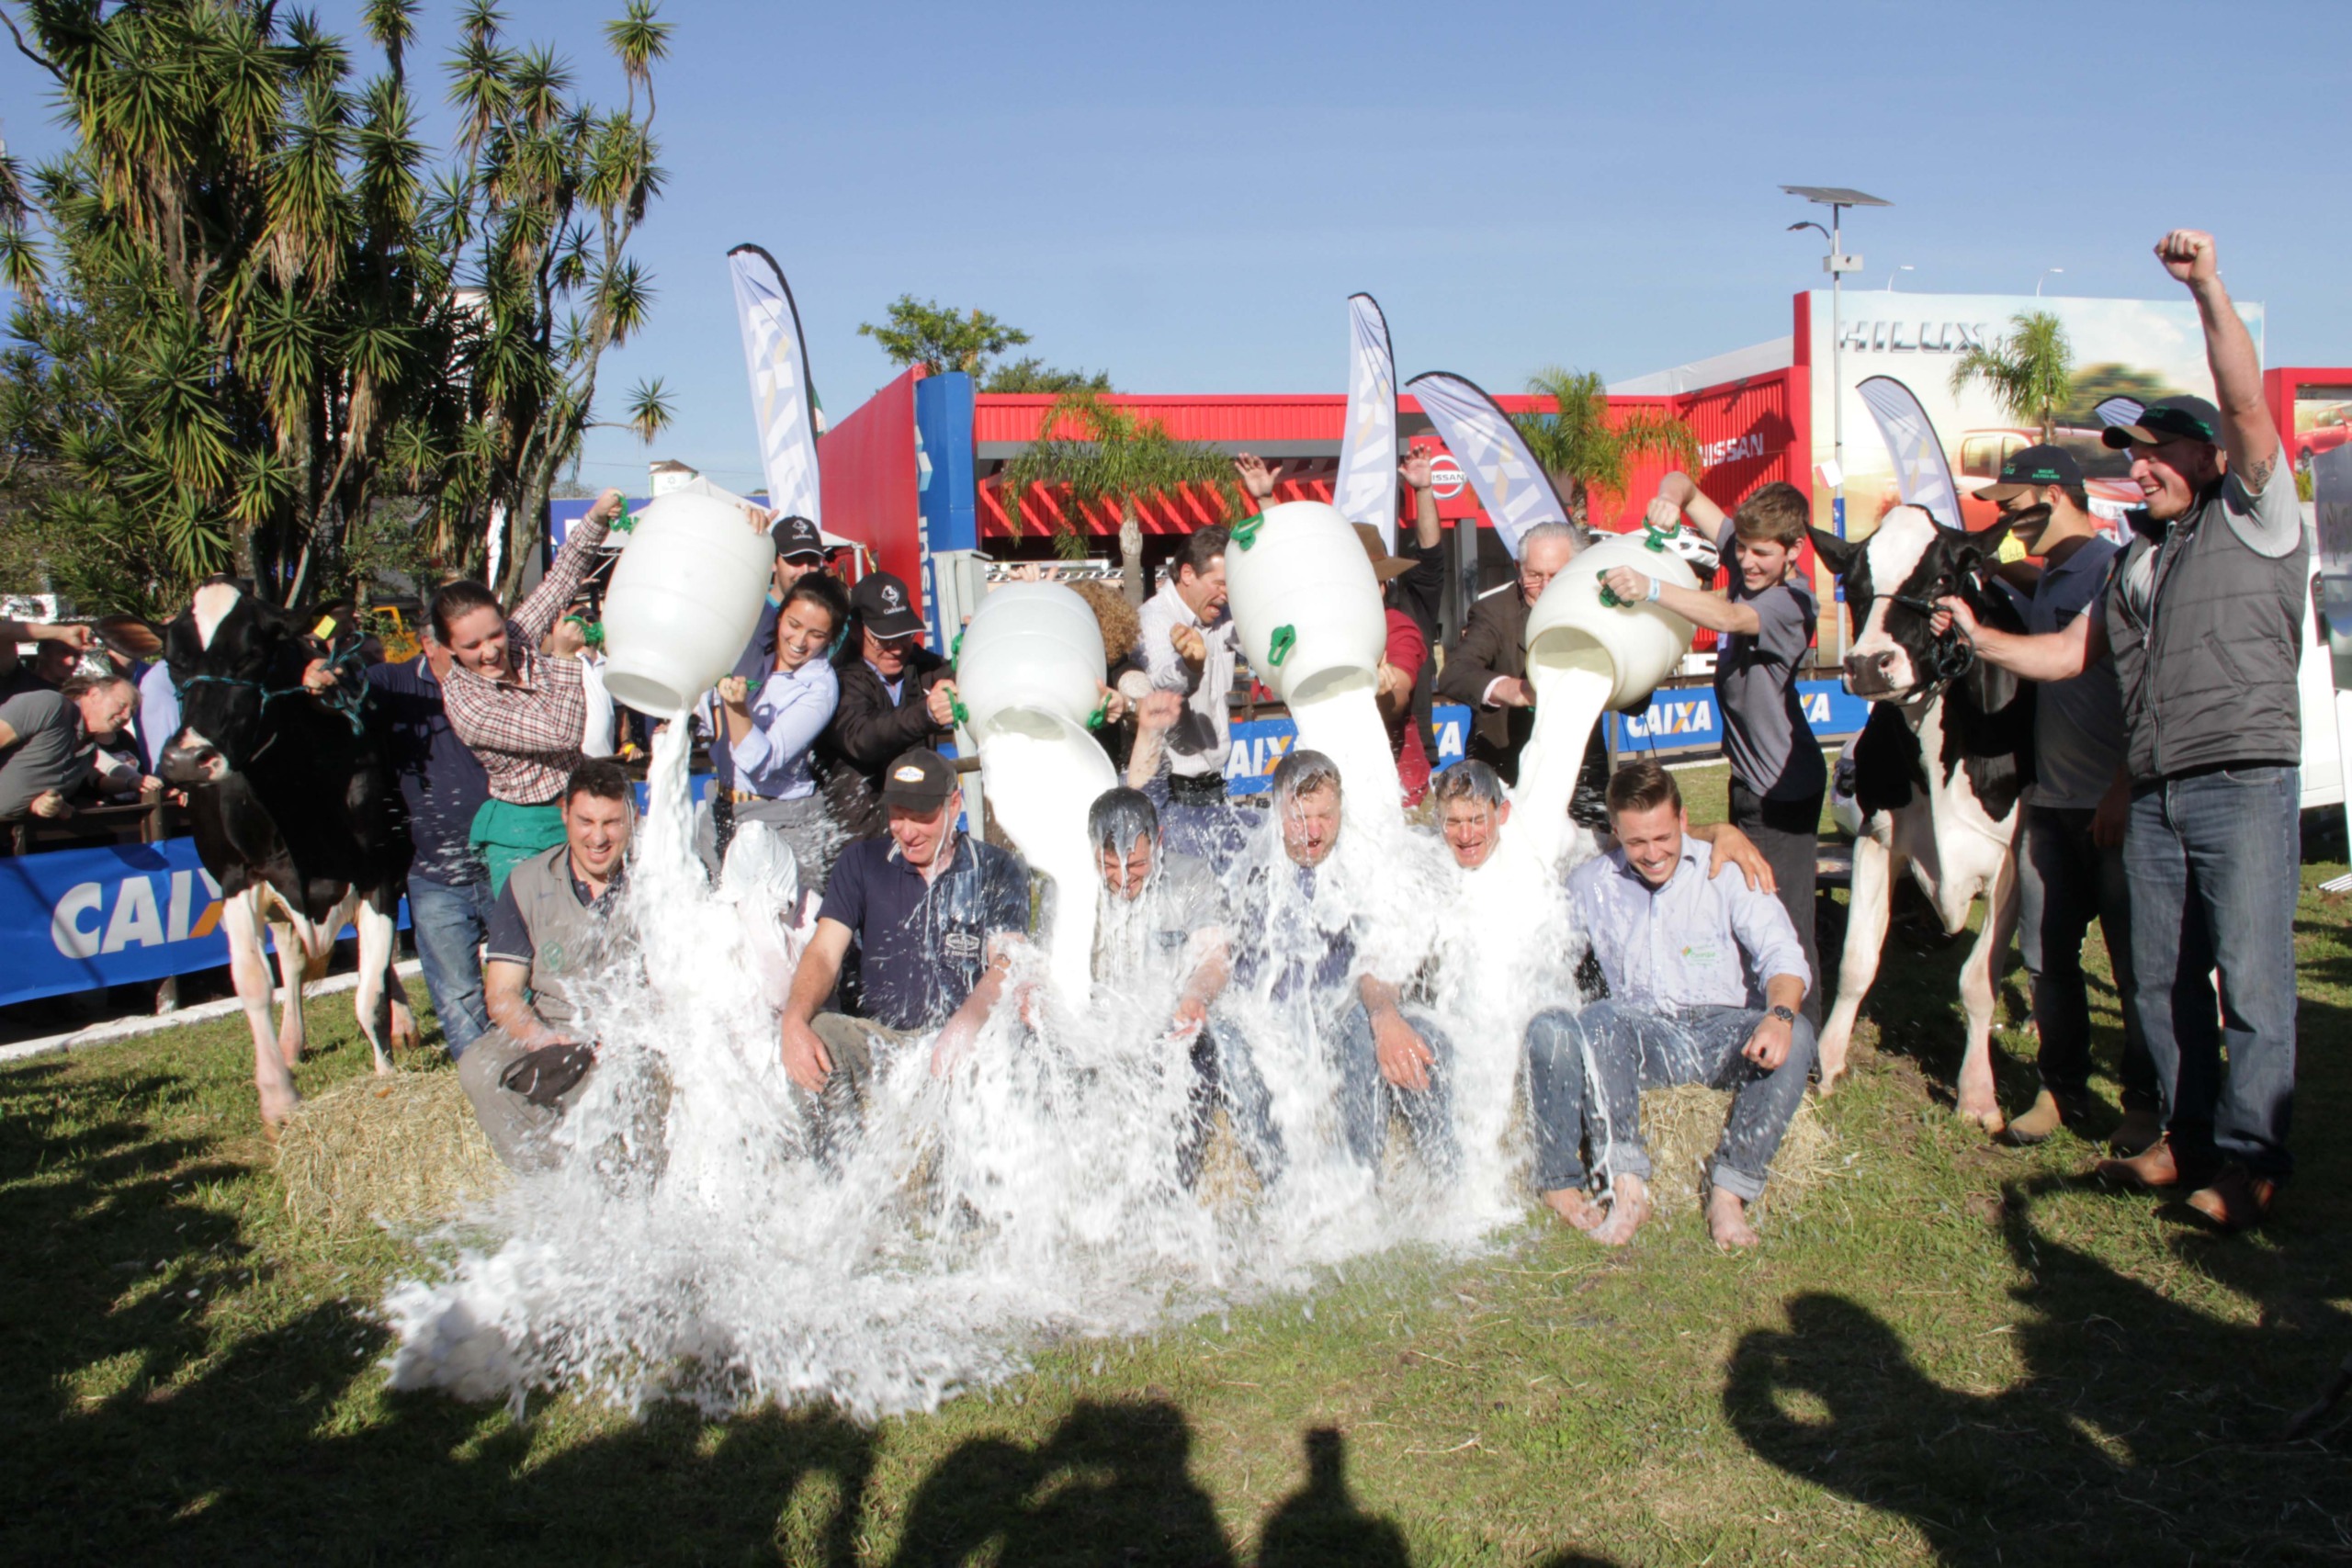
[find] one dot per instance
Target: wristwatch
(1785, 1016)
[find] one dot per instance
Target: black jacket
(869, 729)
(1495, 643)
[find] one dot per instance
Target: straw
(1680, 1127)
(398, 1150)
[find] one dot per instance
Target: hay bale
(401, 1150)
(1682, 1126)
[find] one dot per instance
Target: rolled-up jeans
(2215, 862)
(2065, 878)
(449, 921)
(1586, 1071)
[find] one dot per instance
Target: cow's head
(228, 652)
(1892, 580)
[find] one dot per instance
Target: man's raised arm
(2248, 434)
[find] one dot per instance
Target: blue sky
(1184, 195)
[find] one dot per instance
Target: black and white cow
(296, 815)
(1937, 768)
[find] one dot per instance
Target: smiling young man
(2204, 616)
(1765, 619)
(2070, 842)
(1705, 978)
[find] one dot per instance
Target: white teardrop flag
(1921, 471)
(1515, 492)
(1366, 489)
(777, 357)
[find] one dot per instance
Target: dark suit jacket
(868, 730)
(1495, 643)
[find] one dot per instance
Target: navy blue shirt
(921, 947)
(441, 779)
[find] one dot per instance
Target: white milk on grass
(687, 1248)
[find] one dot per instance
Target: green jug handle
(1278, 646)
(963, 715)
(1245, 533)
(1607, 598)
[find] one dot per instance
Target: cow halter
(339, 698)
(1953, 654)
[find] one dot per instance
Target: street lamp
(1837, 263)
(1890, 276)
(2047, 273)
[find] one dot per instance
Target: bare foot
(1727, 1219)
(1577, 1207)
(1629, 1208)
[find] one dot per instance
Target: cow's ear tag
(2011, 551)
(325, 630)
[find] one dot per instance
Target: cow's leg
(1979, 978)
(375, 964)
(1866, 914)
(249, 967)
(293, 964)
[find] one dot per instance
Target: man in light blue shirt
(1705, 978)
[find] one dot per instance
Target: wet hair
(80, 687)
(599, 776)
(1470, 780)
(1201, 548)
(453, 600)
(820, 588)
(1303, 772)
(1122, 628)
(1643, 786)
(1118, 817)
(1543, 531)
(1776, 515)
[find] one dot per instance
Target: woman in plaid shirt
(522, 712)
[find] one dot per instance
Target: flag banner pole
(776, 355)
(1922, 473)
(1511, 486)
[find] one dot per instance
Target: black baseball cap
(2167, 419)
(920, 780)
(2031, 467)
(882, 604)
(796, 536)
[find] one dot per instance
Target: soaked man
(1162, 927)
(549, 930)
(1705, 978)
(1386, 1058)
(931, 916)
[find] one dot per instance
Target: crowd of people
(2163, 804)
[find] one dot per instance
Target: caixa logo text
(94, 918)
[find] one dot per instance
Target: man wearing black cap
(924, 922)
(894, 694)
(2204, 614)
(2070, 845)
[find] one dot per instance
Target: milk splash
(687, 1248)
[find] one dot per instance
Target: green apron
(505, 835)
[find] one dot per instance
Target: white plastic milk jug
(685, 597)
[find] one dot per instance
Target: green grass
(1950, 1353)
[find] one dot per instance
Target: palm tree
(2029, 372)
(1583, 448)
(1103, 456)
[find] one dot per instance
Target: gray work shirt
(1156, 940)
(2077, 723)
(1697, 942)
(1766, 738)
(50, 752)
(1199, 740)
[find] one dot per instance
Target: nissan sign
(1446, 478)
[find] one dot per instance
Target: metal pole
(1837, 388)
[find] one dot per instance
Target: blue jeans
(449, 921)
(1628, 1049)
(2215, 862)
(2064, 881)
(1366, 1097)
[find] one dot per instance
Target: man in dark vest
(895, 695)
(2204, 614)
(546, 933)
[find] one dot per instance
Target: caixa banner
(78, 920)
(1261, 743)
(1687, 719)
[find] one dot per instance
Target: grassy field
(1950, 1353)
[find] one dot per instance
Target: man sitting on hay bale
(547, 931)
(1685, 955)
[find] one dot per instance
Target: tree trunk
(1131, 556)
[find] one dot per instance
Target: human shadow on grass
(2139, 1429)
